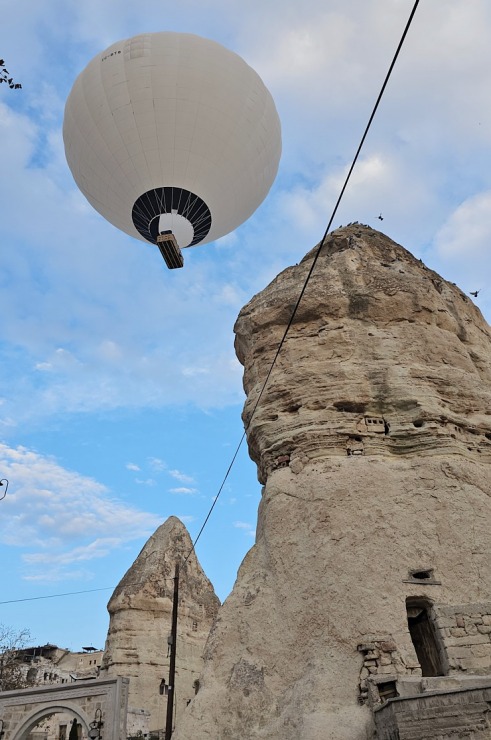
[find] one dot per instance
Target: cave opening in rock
(387, 690)
(424, 636)
(421, 575)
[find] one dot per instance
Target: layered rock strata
(140, 612)
(373, 443)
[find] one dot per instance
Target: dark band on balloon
(152, 204)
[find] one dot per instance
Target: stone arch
(22, 709)
(37, 714)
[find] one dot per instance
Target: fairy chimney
(370, 578)
(140, 612)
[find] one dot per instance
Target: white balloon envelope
(171, 132)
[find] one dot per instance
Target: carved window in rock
(375, 424)
(421, 575)
(424, 636)
(354, 446)
(195, 626)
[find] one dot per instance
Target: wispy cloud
(183, 490)
(181, 476)
(249, 529)
(61, 517)
(132, 466)
(186, 518)
(97, 549)
(157, 464)
(52, 574)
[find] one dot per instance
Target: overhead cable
(309, 275)
(55, 596)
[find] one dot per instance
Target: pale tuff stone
(383, 391)
(140, 612)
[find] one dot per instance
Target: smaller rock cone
(140, 623)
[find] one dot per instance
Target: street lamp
(4, 483)
(96, 725)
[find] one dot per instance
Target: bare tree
(5, 77)
(12, 675)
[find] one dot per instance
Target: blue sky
(120, 393)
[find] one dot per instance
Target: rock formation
(140, 622)
(372, 558)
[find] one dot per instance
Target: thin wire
(68, 593)
(314, 262)
(55, 596)
(219, 492)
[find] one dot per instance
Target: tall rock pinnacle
(371, 570)
(140, 612)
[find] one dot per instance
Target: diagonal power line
(312, 267)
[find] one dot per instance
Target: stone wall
(138, 723)
(451, 715)
(465, 631)
(382, 662)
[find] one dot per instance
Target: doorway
(424, 636)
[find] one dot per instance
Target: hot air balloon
(173, 138)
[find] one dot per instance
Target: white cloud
(466, 235)
(297, 55)
(132, 466)
(181, 476)
(186, 518)
(248, 529)
(157, 464)
(60, 516)
(146, 482)
(57, 574)
(97, 549)
(461, 247)
(184, 490)
(191, 372)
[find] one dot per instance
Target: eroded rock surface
(373, 442)
(140, 612)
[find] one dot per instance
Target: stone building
(43, 667)
(49, 664)
(140, 612)
(364, 608)
(83, 665)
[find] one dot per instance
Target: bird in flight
(475, 293)
(381, 218)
